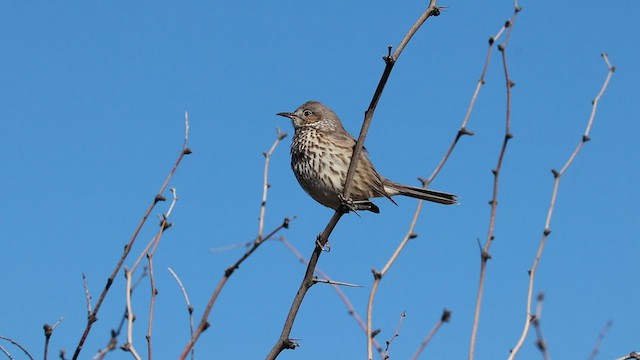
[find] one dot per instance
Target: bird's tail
(393, 188)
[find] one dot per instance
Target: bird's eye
(307, 113)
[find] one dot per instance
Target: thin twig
(152, 245)
(87, 294)
(352, 311)
(112, 344)
(395, 334)
(152, 303)
(541, 344)
(446, 316)
(485, 254)
(547, 226)
(93, 317)
(265, 183)
(632, 355)
(189, 306)
(128, 346)
(596, 347)
(331, 282)
(24, 350)
(48, 331)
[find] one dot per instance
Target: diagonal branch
(283, 341)
(378, 275)
(93, 317)
(341, 294)
(547, 226)
(485, 255)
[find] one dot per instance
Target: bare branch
(331, 282)
(632, 355)
(547, 226)
(86, 293)
(395, 334)
(48, 331)
(378, 275)
(24, 350)
(265, 184)
(541, 344)
(446, 316)
(485, 254)
(93, 317)
(189, 306)
(341, 294)
(128, 346)
(152, 303)
(603, 332)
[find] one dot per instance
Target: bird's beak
(286, 114)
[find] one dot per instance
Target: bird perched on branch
(320, 155)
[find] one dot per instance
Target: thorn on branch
(555, 173)
(388, 59)
(159, 198)
(375, 332)
(585, 138)
(518, 9)
(511, 84)
(413, 236)
(423, 181)
(289, 344)
(186, 151)
(491, 40)
(546, 232)
(446, 315)
(464, 131)
(485, 256)
(285, 223)
(435, 11)
(507, 24)
(229, 271)
(501, 47)
(509, 136)
(377, 275)
(165, 225)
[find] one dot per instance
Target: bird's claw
(326, 247)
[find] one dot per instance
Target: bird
(321, 151)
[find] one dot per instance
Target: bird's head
(315, 115)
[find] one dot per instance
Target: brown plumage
(320, 155)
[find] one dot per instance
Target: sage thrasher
(320, 156)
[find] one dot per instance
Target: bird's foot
(326, 247)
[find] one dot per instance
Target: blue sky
(93, 97)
